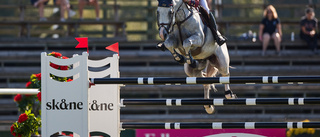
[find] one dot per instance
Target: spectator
(40, 4)
(64, 6)
(95, 3)
(308, 32)
(270, 27)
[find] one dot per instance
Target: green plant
(27, 102)
(26, 125)
(29, 122)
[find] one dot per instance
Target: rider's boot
(213, 26)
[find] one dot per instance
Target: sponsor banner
(211, 133)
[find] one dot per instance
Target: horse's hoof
(161, 46)
(194, 64)
(209, 109)
(182, 60)
(229, 95)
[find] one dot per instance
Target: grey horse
(191, 43)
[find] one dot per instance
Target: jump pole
(220, 125)
(207, 80)
(222, 102)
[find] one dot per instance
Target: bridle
(171, 15)
(179, 23)
(169, 24)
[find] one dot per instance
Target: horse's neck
(184, 17)
(182, 12)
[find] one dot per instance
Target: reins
(181, 22)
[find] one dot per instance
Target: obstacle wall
(101, 103)
(73, 106)
(64, 105)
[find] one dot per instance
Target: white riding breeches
(204, 4)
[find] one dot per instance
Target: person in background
(308, 32)
(95, 3)
(270, 27)
(64, 6)
(40, 5)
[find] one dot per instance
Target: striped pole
(14, 91)
(221, 125)
(221, 102)
(208, 80)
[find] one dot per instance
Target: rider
(212, 22)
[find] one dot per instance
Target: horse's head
(165, 17)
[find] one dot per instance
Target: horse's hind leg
(210, 72)
(199, 73)
(227, 91)
(209, 108)
(223, 66)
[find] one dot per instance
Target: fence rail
(195, 80)
(220, 125)
(221, 102)
(13, 91)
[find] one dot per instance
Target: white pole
(14, 91)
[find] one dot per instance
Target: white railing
(14, 91)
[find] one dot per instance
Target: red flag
(114, 47)
(83, 43)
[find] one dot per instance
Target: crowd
(270, 28)
(64, 6)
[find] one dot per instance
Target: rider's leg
(204, 4)
(212, 24)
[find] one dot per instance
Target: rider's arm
(193, 3)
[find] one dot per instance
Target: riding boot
(213, 27)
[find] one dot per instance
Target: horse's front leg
(188, 44)
(171, 43)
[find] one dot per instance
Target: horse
(191, 43)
